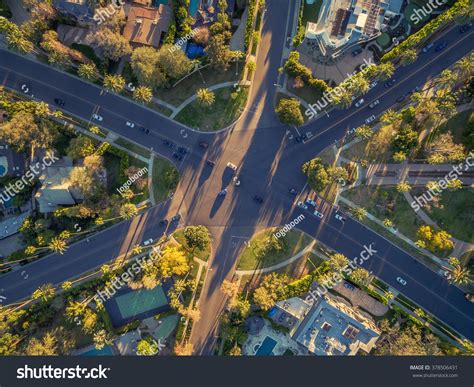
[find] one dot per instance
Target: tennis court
(129, 305)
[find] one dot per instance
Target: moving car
(144, 130)
(148, 242)
(130, 124)
(223, 192)
(177, 156)
(359, 102)
(441, 46)
(97, 117)
(168, 143)
(374, 103)
(182, 150)
(470, 297)
(373, 84)
(292, 191)
(465, 28)
(318, 214)
(401, 280)
(203, 144)
(340, 217)
(368, 120)
(401, 98)
(302, 205)
(390, 83)
(258, 199)
(164, 222)
(232, 166)
(428, 47)
(59, 102)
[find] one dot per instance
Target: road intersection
(268, 163)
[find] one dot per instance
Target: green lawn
(455, 213)
(89, 52)
(296, 241)
(222, 113)
(133, 147)
(311, 11)
(165, 178)
(383, 40)
(458, 124)
(192, 83)
(306, 93)
(201, 254)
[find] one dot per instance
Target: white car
(359, 102)
(318, 214)
(401, 280)
(370, 119)
(372, 85)
(148, 242)
(302, 205)
(311, 202)
(232, 166)
(130, 124)
(374, 103)
(97, 117)
(340, 217)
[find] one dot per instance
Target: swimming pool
(193, 7)
(267, 347)
(106, 351)
(3, 166)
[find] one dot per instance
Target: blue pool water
(3, 170)
(156, 3)
(193, 7)
(106, 351)
(267, 347)
(194, 50)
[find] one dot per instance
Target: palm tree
(408, 56)
(458, 274)
(464, 67)
(447, 79)
(87, 71)
(128, 211)
(58, 245)
(359, 212)
(385, 70)
(75, 309)
(359, 85)
(388, 223)
(403, 187)
(205, 97)
(143, 94)
(66, 285)
(343, 99)
(44, 292)
(364, 132)
(113, 82)
(137, 249)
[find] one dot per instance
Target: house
(327, 327)
(56, 190)
(77, 9)
(147, 25)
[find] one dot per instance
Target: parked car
(373, 84)
(464, 28)
(130, 124)
(258, 199)
(359, 102)
(428, 47)
(302, 205)
(210, 163)
(203, 144)
(59, 102)
(370, 119)
(97, 117)
(441, 46)
(168, 143)
(232, 166)
(374, 103)
(182, 150)
(401, 98)
(148, 242)
(311, 202)
(176, 218)
(177, 156)
(318, 214)
(223, 192)
(401, 280)
(292, 191)
(340, 217)
(356, 52)
(164, 222)
(390, 83)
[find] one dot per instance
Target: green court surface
(135, 303)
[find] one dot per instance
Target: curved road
(268, 163)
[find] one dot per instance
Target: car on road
(374, 104)
(182, 150)
(470, 297)
(59, 102)
(292, 191)
(168, 143)
(441, 46)
(368, 120)
(373, 84)
(302, 205)
(130, 124)
(164, 222)
(340, 217)
(428, 47)
(177, 156)
(311, 202)
(223, 192)
(359, 102)
(390, 83)
(401, 98)
(232, 166)
(465, 28)
(203, 144)
(97, 117)
(144, 130)
(258, 199)
(176, 218)
(148, 242)
(356, 52)
(318, 214)
(25, 88)
(401, 281)
(210, 163)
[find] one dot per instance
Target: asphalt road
(268, 163)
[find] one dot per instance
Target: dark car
(356, 52)
(182, 150)
(465, 28)
(292, 191)
(144, 130)
(164, 222)
(177, 156)
(401, 98)
(390, 83)
(203, 144)
(441, 46)
(428, 47)
(176, 218)
(210, 163)
(168, 143)
(258, 199)
(59, 102)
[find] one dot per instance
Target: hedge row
(249, 26)
(299, 37)
(296, 69)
